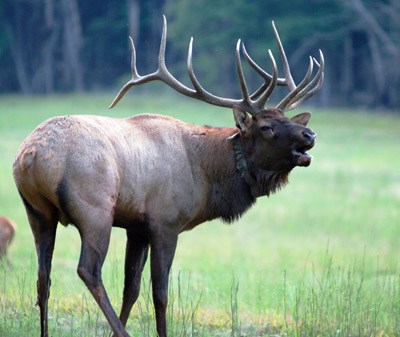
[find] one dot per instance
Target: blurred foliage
(51, 46)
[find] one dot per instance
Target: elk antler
(298, 93)
(251, 103)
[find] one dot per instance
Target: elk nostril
(309, 135)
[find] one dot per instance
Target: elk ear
(302, 118)
(242, 119)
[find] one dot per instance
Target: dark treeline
(49, 46)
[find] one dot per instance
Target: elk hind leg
(137, 247)
(44, 231)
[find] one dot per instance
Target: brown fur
(153, 175)
(7, 232)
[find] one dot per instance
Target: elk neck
(234, 181)
(260, 181)
(228, 196)
(242, 167)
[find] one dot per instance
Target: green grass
(319, 258)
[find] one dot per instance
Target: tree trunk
(73, 74)
(377, 85)
(19, 62)
(48, 60)
(348, 75)
(373, 26)
(383, 45)
(14, 27)
(52, 28)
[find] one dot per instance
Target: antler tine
(303, 91)
(264, 96)
(312, 87)
(192, 76)
(136, 79)
(135, 76)
(163, 73)
(200, 93)
(163, 47)
(312, 92)
(261, 72)
(242, 81)
(292, 94)
(133, 60)
(286, 68)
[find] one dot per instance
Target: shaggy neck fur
(242, 167)
(230, 195)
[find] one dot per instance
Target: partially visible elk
(7, 232)
(157, 176)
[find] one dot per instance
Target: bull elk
(156, 176)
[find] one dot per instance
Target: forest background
(319, 258)
(63, 46)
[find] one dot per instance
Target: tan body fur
(137, 167)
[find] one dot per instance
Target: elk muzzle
(305, 141)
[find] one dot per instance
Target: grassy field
(319, 258)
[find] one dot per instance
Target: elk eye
(267, 128)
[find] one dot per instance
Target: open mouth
(301, 157)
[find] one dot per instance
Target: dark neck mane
(230, 194)
(261, 182)
(270, 182)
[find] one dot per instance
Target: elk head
(276, 142)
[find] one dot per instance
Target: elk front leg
(137, 248)
(162, 253)
(95, 241)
